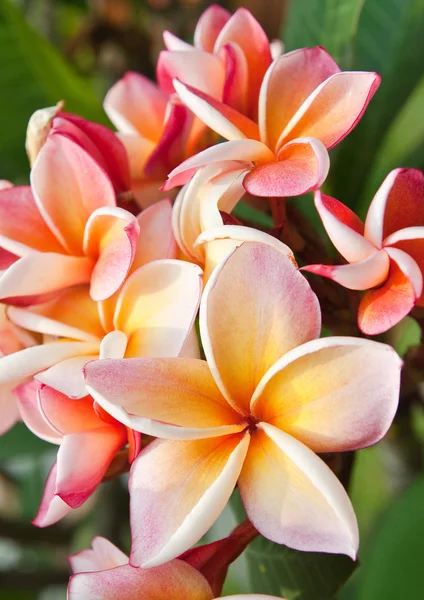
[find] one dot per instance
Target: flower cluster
(105, 277)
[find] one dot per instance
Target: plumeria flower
(12, 339)
(152, 315)
(89, 440)
(66, 228)
(386, 255)
(228, 61)
(103, 145)
(156, 130)
(104, 572)
(269, 396)
(306, 106)
(199, 225)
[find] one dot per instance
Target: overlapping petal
(101, 556)
(209, 26)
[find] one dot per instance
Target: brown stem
(278, 211)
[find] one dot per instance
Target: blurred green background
(74, 50)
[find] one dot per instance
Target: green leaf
(390, 41)
(393, 567)
(33, 75)
(248, 213)
(328, 23)
(277, 570)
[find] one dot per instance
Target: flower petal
(52, 508)
(176, 580)
(288, 82)
(361, 275)
(26, 396)
(344, 228)
(22, 228)
(293, 498)
(255, 277)
(226, 121)
(398, 203)
(174, 398)
(9, 411)
(68, 185)
(110, 238)
(411, 241)
(209, 26)
(156, 239)
(67, 376)
(236, 86)
(135, 105)
(138, 150)
(333, 109)
(103, 555)
(384, 307)
(332, 394)
(178, 489)
(172, 42)
(302, 166)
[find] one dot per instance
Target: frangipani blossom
(99, 141)
(199, 225)
(152, 315)
(269, 396)
(386, 254)
(156, 130)
(104, 572)
(66, 228)
(12, 339)
(228, 61)
(89, 440)
(306, 106)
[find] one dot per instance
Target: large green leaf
(329, 23)
(280, 571)
(393, 567)
(32, 75)
(390, 41)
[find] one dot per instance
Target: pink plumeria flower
(104, 572)
(66, 228)
(386, 254)
(88, 437)
(228, 61)
(306, 106)
(103, 145)
(12, 339)
(199, 225)
(156, 130)
(268, 398)
(152, 315)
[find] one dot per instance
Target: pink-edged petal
(172, 146)
(67, 376)
(176, 580)
(28, 362)
(178, 489)
(22, 228)
(293, 498)
(7, 259)
(223, 119)
(43, 272)
(68, 185)
(245, 31)
(236, 86)
(398, 203)
(302, 165)
(384, 307)
(173, 398)
(198, 69)
(52, 508)
(101, 143)
(344, 228)
(333, 109)
(101, 556)
(333, 394)
(110, 239)
(287, 84)
(209, 26)
(156, 239)
(411, 241)
(157, 306)
(26, 396)
(255, 276)
(172, 42)
(242, 151)
(135, 105)
(361, 275)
